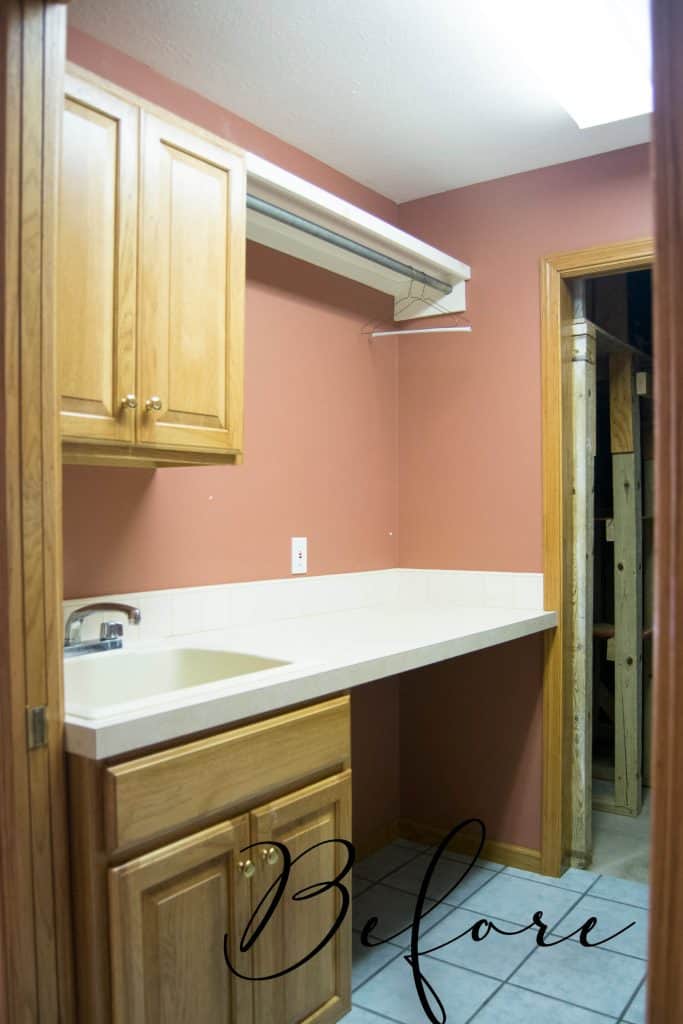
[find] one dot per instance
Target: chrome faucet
(111, 633)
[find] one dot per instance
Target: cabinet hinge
(36, 727)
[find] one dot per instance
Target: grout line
(381, 1016)
(508, 980)
(408, 860)
(486, 1002)
(632, 1000)
(375, 973)
(577, 1006)
(536, 946)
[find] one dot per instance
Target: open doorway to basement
(612, 560)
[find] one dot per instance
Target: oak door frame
(556, 314)
(665, 991)
(36, 964)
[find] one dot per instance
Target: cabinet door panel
(170, 910)
(319, 991)
(192, 290)
(97, 264)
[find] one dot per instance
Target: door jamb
(556, 311)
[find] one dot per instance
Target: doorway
(611, 558)
(567, 709)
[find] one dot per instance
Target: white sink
(98, 685)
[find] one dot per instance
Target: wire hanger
(383, 329)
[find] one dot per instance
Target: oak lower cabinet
(169, 912)
(317, 990)
(176, 848)
(151, 279)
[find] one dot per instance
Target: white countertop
(328, 652)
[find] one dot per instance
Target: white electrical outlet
(299, 554)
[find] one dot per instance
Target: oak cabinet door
(170, 910)
(191, 312)
(96, 254)
(319, 991)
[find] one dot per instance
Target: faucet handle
(111, 630)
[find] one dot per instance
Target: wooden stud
(621, 400)
(583, 399)
(628, 627)
(628, 583)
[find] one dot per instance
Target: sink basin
(96, 685)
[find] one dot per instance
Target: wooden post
(35, 929)
(583, 403)
(628, 586)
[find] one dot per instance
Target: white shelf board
(269, 182)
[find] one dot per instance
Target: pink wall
(376, 759)
(329, 456)
(320, 427)
(470, 741)
(470, 471)
(470, 425)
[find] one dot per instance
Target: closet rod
(293, 220)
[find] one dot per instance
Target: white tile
(495, 955)
(592, 978)
(392, 991)
(451, 881)
(395, 911)
(499, 590)
(573, 878)
(156, 622)
(528, 590)
(512, 1005)
(380, 863)
(623, 891)
(186, 612)
(636, 1011)
(516, 899)
(611, 918)
(368, 960)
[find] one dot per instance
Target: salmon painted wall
(470, 426)
(470, 470)
(320, 425)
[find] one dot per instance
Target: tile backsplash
(167, 613)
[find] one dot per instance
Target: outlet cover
(299, 554)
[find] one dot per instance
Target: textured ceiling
(409, 97)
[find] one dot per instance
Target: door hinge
(36, 727)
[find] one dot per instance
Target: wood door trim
(665, 991)
(555, 271)
(36, 980)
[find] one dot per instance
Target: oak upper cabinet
(152, 227)
(170, 910)
(97, 264)
(192, 228)
(320, 989)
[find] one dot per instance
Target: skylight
(593, 56)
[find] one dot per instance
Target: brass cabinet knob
(247, 867)
(153, 404)
(129, 402)
(271, 855)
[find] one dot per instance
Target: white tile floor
(621, 845)
(502, 979)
